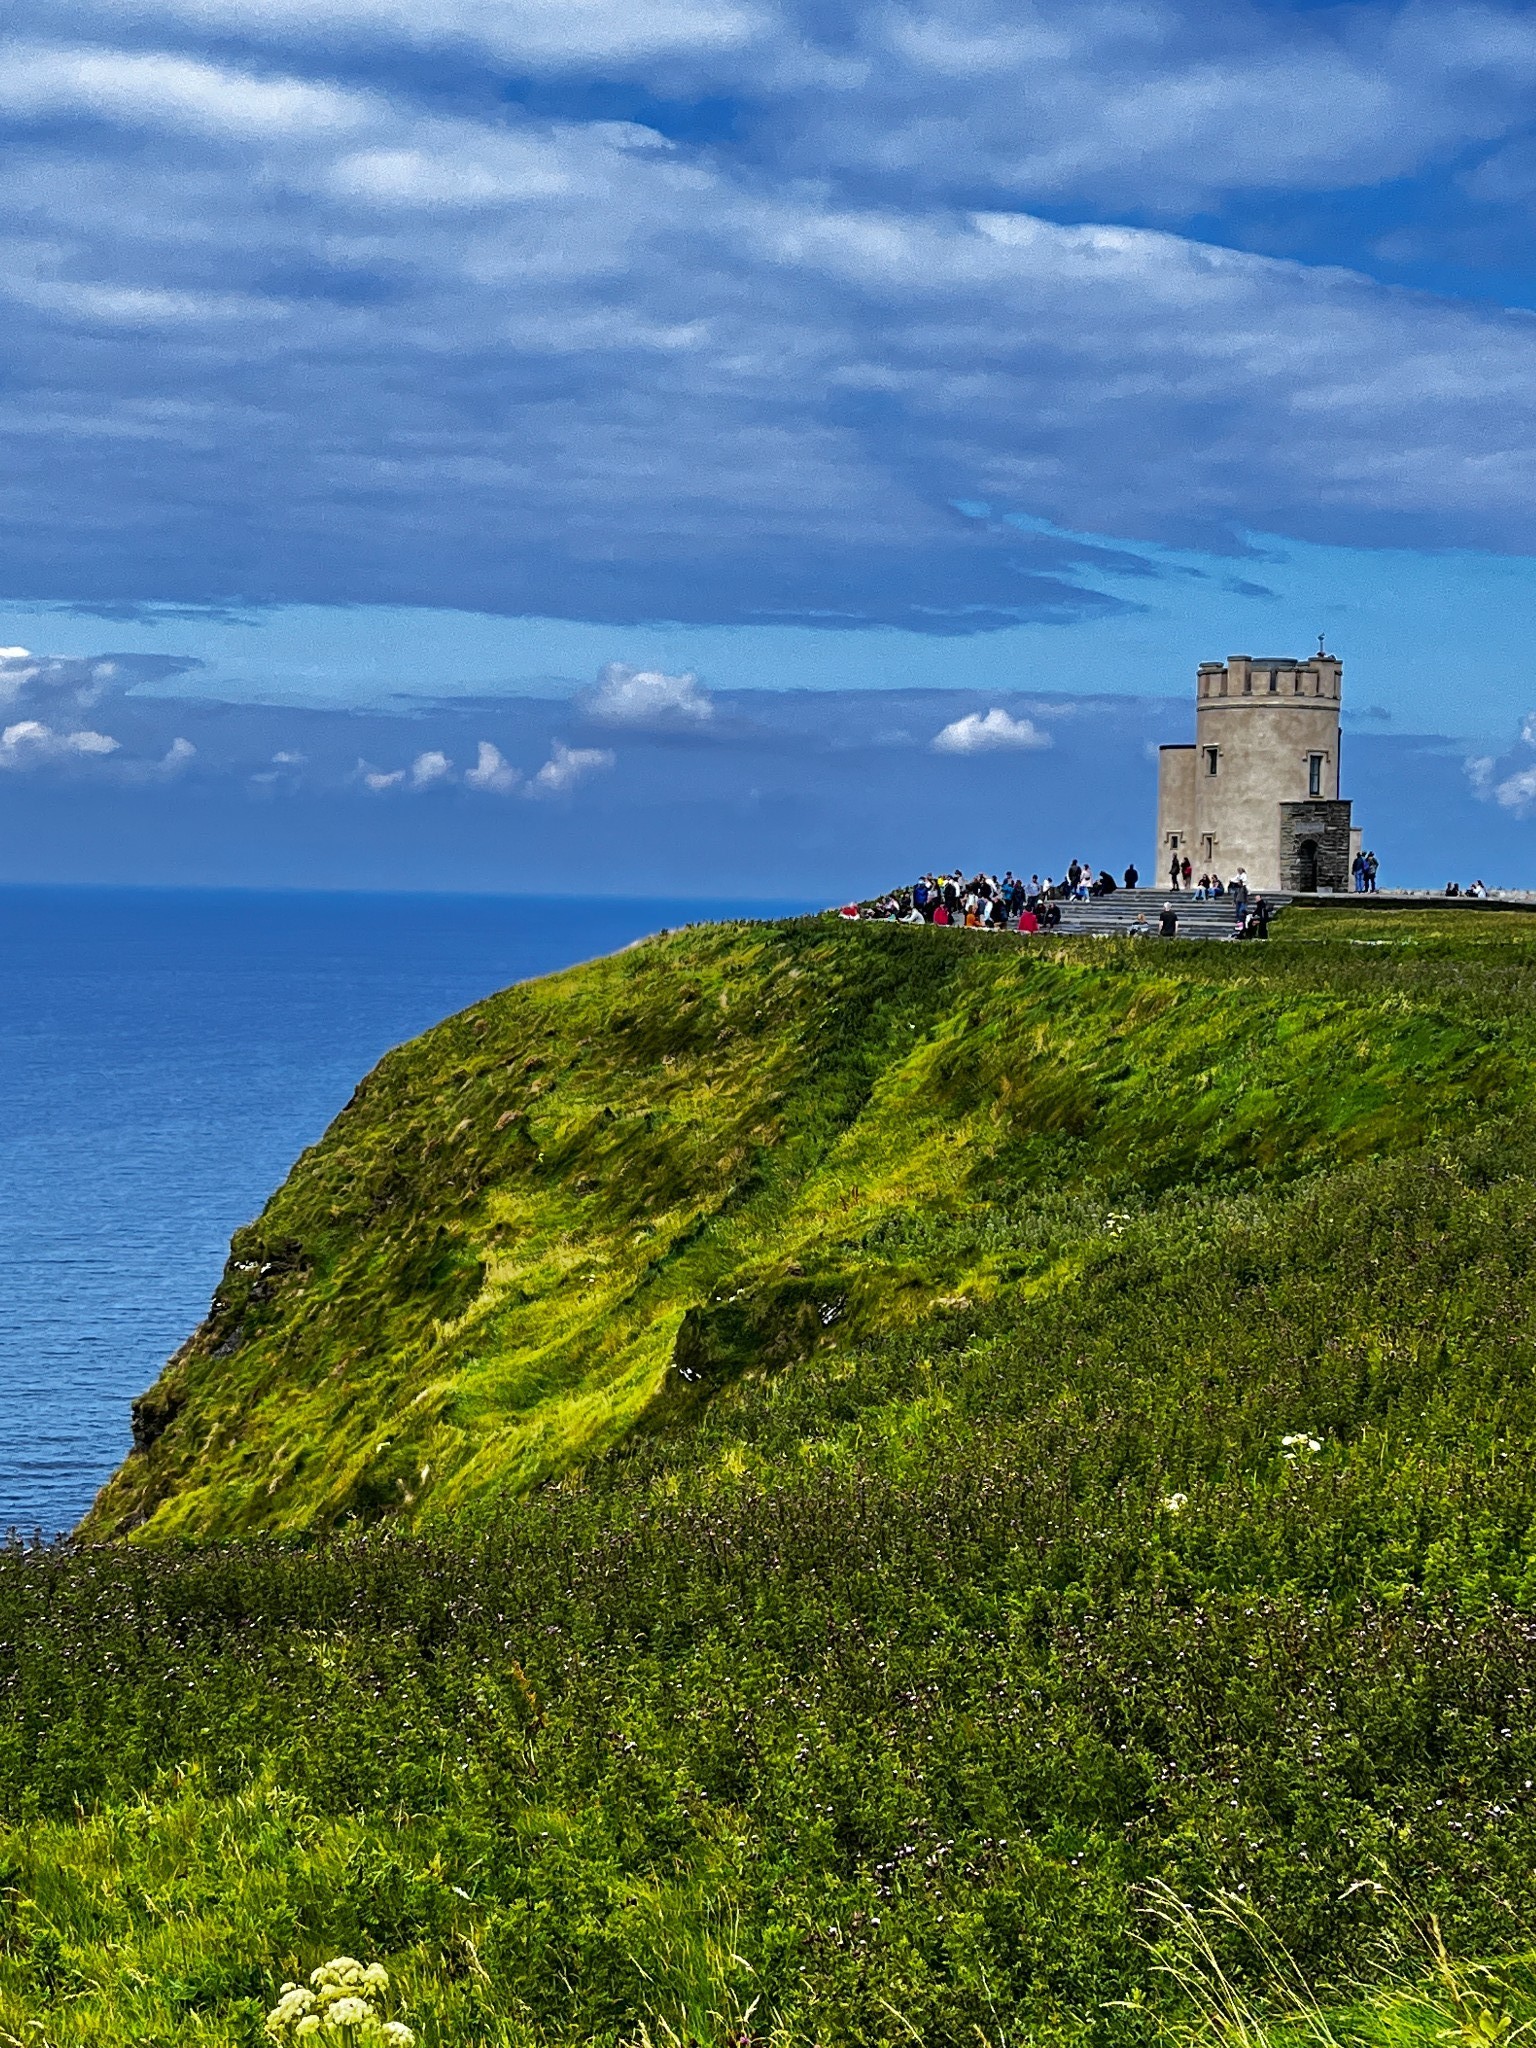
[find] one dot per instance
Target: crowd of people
(985, 902)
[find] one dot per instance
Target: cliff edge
(591, 1203)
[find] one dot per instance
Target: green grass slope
(591, 1201)
(939, 1449)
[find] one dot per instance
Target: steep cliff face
(589, 1203)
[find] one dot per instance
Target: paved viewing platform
(1130, 911)
(1215, 918)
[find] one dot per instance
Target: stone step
(1130, 911)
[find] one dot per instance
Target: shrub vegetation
(791, 1484)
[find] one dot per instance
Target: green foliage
(776, 1498)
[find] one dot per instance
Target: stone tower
(1259, 789)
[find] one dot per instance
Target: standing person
(1075, 875)
(1131, 876)
(1168, 923)
(1240, 896)
(1187, 870)
(1258, 919)
(1371, 865)
(1357, 873)
(1173, 872)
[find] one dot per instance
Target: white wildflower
(340, 2008)
(1299, 1445)
(1175, 1503)
(339, 1970)
(291, 2007)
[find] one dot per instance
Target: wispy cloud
(431, 348)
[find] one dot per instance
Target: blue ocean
(166, 1055)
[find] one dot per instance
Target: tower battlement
(1259, 788)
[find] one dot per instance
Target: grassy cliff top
(837, 1466)
(590, 1202)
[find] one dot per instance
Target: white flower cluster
(1175, 1503)
(339, 2005)
(1300, 1446)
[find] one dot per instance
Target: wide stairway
(1132, 910)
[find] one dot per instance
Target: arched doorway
(1306, 866)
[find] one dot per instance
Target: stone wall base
(1315, 845)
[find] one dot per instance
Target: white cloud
(975, 734)
(534, 34)
(1163, 105)
(27, 678)
(1517, 792)
(429, 768)
(646, 697)
(492, 771)
(29, 742)
(425, 772)
(567, 766)
(177, 757)
(165, 89)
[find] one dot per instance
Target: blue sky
(378, 362)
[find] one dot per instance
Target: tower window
(1274, 682)
(1315, 774)
(1212, 756)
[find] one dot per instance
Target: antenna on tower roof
(1320, 639)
